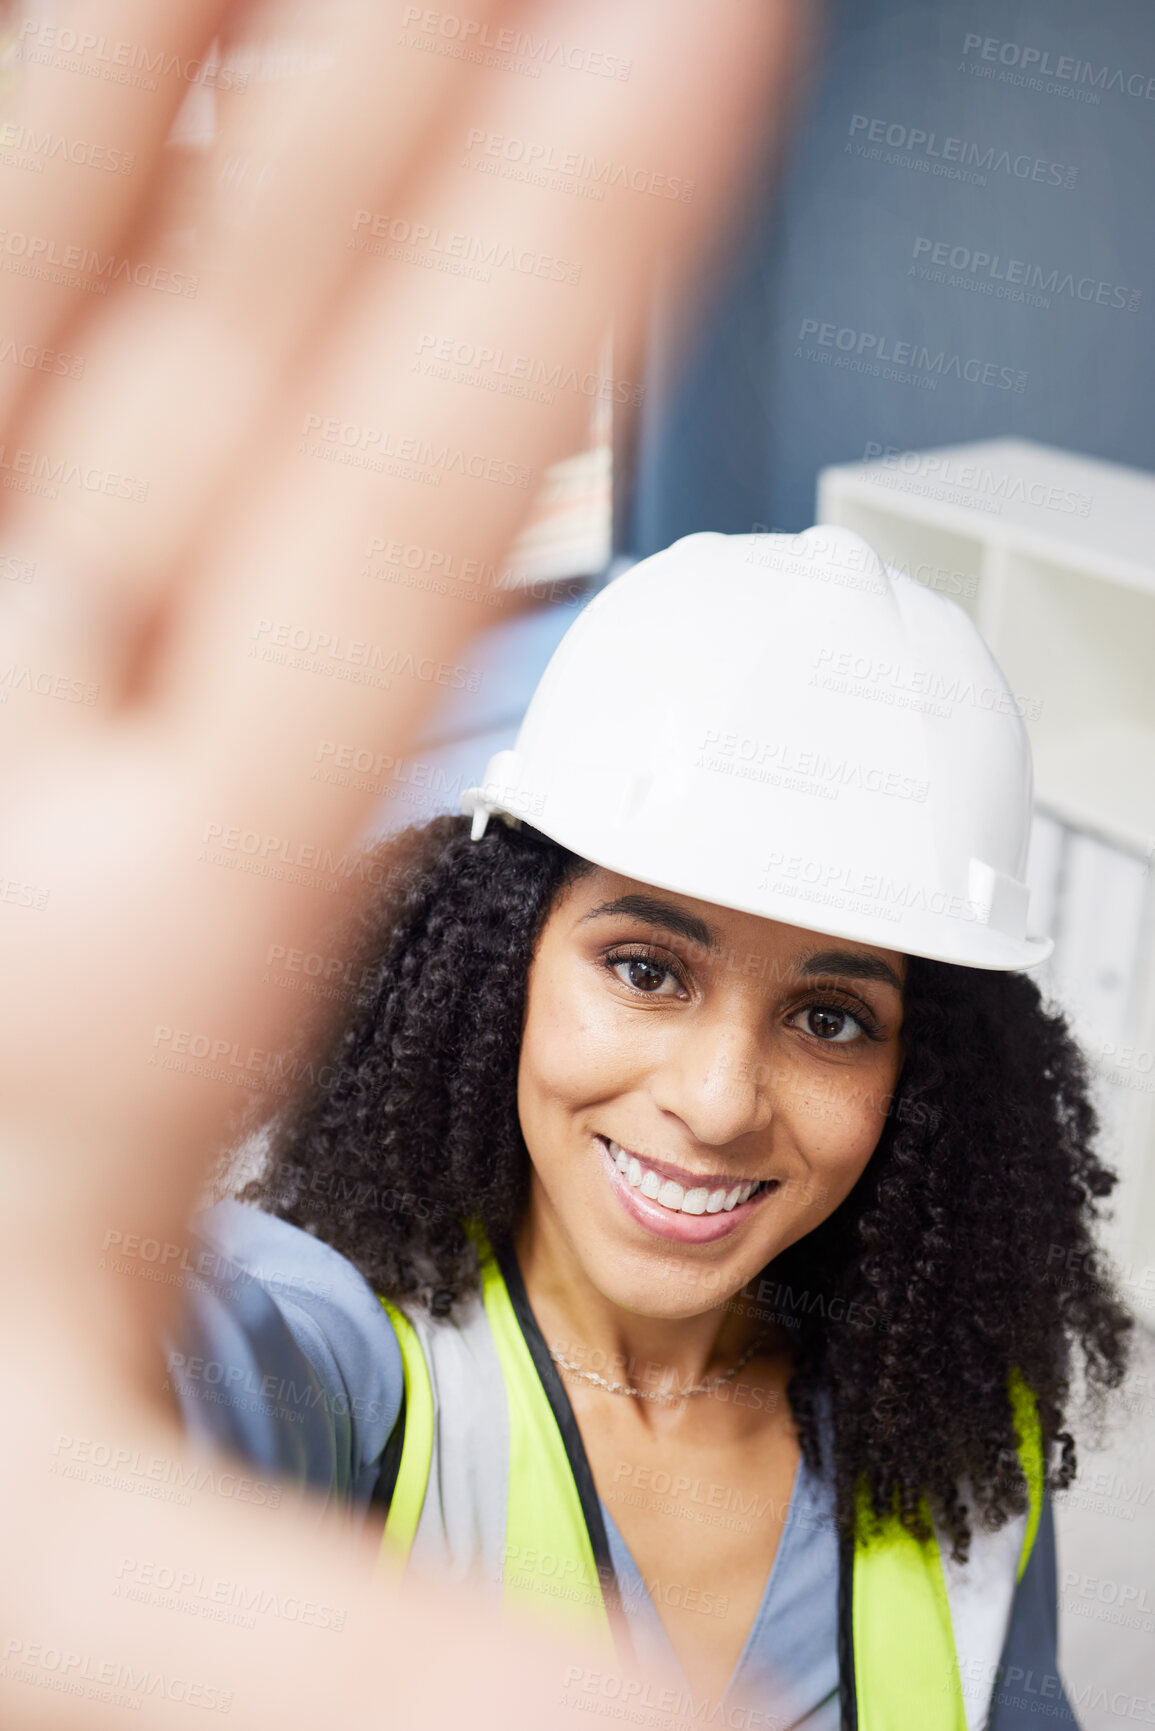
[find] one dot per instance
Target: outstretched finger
(88, 116)
(176, 384)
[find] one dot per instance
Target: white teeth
(671, 1195)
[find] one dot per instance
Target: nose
(716, 1078)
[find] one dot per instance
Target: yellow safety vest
(921, 1636)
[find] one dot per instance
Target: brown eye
(834, 1026)
(645, 974)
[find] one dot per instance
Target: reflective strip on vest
(1030, 1440)
(906, 1675)
(929, 1632)
(485, 1489)
(417, 1453)
(549, 1560)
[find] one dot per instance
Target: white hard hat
(783, 725)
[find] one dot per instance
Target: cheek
(837, 1119)
(571, 1053)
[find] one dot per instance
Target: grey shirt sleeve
(285, 1357)
(1029, 1690)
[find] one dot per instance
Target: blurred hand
(218, 413)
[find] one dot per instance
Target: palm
(194, 523)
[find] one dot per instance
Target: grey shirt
(288, 1360)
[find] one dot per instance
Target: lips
(692, 1208)
(693, 1195)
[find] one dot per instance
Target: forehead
(601, 899)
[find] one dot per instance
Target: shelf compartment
(938, 558)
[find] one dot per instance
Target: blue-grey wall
(1055, 189)
(1037, 147)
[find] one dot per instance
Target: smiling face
(698, 1088)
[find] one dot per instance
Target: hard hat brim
(928, 935)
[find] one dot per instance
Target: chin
(661, 1282)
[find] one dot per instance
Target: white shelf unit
(1053, 556)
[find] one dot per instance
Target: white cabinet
(1053, 556)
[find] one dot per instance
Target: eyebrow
(653, 911)
(850, 966)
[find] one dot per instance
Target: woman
(708, 1151)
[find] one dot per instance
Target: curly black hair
(947, 1268)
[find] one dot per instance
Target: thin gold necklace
(626, 1388)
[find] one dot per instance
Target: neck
(655, 1353)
